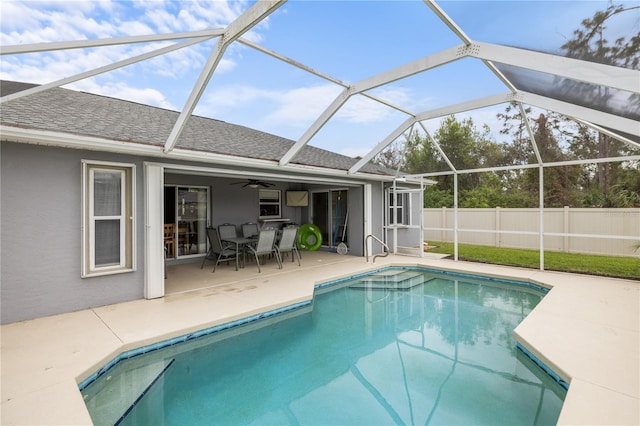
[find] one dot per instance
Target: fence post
(541, 213)
(565, 229)
(443, 224)
(498, 235)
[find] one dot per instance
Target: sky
(346, 40)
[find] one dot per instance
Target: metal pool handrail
(366, 250)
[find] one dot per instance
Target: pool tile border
(186, 338)
(543, 366)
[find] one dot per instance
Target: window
(269, 203)
(108, 215)
(399, 208)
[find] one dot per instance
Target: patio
(593, 338)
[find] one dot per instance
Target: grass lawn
(610, 266)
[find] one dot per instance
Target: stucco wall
(355, 222)
(40, 225)
(40, 230)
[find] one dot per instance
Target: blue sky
(348, 40)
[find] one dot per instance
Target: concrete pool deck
(587, 329)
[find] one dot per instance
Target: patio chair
(217, 250)
(169, 239)
(287, 243)
(210, 254)
(183, 239)
(227, 230)
(250, 230)
(265, 246)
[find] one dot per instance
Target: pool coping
(594, 346)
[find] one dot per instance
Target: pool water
(396, 347)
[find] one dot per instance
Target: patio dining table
(239, 242)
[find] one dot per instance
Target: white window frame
(127, 217)
(278, 203)
(401, 209)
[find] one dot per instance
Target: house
(87, 188)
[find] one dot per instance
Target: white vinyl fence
(613, 232)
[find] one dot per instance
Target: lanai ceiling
(427, 66)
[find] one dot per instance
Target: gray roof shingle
(81, 113)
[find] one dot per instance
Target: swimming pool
(400, 346)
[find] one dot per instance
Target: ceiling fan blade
(253, 183)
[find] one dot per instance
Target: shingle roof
(80, 113)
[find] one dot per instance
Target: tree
(556, 137)
(513, 124)
(421, 156)
(559, 182)
(590, 43)
(466, 147)
(559, 138)
(392, 157)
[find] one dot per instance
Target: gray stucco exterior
(41, 235)
(41, 221)
(42, 149)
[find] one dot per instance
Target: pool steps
(392, 280)
(119, 393)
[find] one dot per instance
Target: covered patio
(187, 276)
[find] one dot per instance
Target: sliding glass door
(186, 213)
(330, 214)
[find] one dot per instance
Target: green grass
(610, 266)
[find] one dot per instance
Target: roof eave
(66, 140)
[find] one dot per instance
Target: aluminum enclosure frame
(613, 77)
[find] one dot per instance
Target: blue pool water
(396, 347)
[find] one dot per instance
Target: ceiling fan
(254, 183)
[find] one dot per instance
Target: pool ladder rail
(366, 250)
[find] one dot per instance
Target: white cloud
(300, 106)
(135, 28)
(27, 22)
(234, 97)
(121, 90)
(297, 107)
(360, 109)
(292, 108)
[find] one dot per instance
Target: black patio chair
(227, 230)
(250, 230)
(217, 250)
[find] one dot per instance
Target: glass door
(320, 213)
(339, 216)
(185, 215)
(330, 214)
